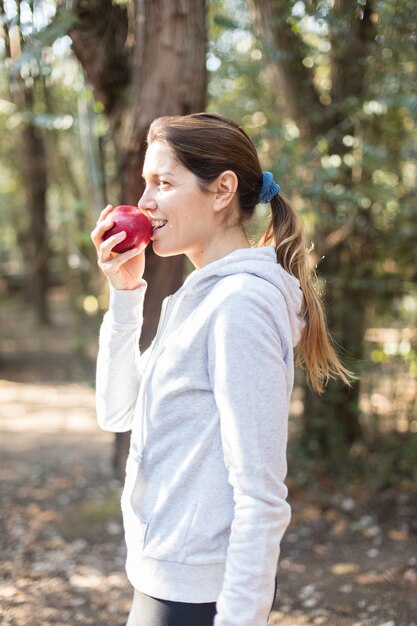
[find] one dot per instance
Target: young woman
(204, 502)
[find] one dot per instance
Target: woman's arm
(118, 375)
(117, 380)
(252, 383)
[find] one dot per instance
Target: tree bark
(101, 43)
(333, 420)
(158, 68)
(35, 181)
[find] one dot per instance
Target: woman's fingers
(98, 232)
(129, 254)
(120, 259)
(107, 256)
(108, 209)
(105, 247)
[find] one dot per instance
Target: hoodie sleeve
(250, 361)
(117, 376)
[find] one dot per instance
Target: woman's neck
(233, 238)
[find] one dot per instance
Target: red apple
(137, 226)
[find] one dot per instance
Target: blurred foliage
(354, 183)
(380, 157)
(377, 463)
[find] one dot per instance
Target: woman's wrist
(140, 285)
(126, 305)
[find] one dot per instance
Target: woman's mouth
(158, 224)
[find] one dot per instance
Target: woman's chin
(164, 251)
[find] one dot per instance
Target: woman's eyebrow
(157, 174)
(166, 173)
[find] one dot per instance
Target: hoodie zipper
(138, 449)
(160, 324)
(160, 335)
(161, 332)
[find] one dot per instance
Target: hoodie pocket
(136, 528)
(208, 534)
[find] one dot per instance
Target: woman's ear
(225, 188)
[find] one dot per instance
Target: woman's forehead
(159, 155)
(160, 160)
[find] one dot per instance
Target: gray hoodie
(204, 502)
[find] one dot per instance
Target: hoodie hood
(260, 262)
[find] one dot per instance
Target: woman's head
(208, 144)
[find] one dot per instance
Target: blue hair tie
(269, 187)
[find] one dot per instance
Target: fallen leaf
(371, 532)
(411, 576)
(339, 528)
(397, 535)
(310, 513)
(339, 569)
(369, 578)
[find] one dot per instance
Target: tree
(335, 100)
(33, 167)
(143, 59)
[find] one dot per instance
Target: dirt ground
(348, 559)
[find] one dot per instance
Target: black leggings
(148, 611)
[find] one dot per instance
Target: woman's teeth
(158, 223)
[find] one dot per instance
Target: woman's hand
(125, 270)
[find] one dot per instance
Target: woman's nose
(147, 202)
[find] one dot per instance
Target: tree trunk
(331, 422)
(35, 183)
(292, 81)
(160, 49)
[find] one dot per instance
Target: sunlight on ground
(46, 407)
(279, 619)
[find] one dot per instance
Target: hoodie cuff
(126, 306)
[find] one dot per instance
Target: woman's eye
(163, 184)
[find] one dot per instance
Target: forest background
(327, 91)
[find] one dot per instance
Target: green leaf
(225, 22)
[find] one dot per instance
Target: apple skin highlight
(137, 226)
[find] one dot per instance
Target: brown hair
(207, 144)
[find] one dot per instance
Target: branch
(351, 33)
(100, 43)
(351, 36)
(285, 50)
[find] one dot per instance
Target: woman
(204, 502)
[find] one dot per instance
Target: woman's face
(182, 213)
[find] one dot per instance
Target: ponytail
(315, 351)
